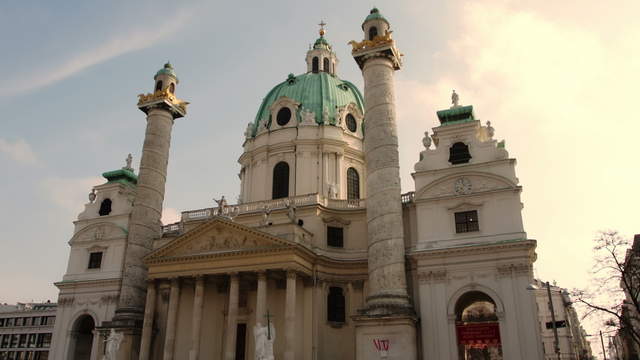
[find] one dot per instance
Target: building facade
(572, 338)
(26, 330)
(322, 250)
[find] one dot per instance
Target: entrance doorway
(83, 338)
(241, 340)
(477, 327)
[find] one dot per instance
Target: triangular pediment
(218, 236)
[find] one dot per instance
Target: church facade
(322, 257)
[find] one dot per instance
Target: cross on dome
(322, 24)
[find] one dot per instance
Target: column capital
(233, 275)
(262, 274)
(174, 280)
(200, 277)
(291, 273)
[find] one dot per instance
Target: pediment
(475, 182)
(97, 232)
(218, 236)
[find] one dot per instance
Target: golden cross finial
(322, 24)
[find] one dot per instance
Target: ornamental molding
(520, 244)
(162, 95)
(481, 182)
(101, 231)
(378, 41)
(506, 270)
(335, 220)
(428, 277)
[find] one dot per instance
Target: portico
(208, 289)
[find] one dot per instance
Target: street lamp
(556, 342)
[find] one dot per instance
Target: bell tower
(162, 108)
(388, 316)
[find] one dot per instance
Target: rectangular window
(14, 341)
(335, 236)
(5, 341)
(36, 321)
(1, 322)
(95, 260)
(10, 321)
(467, 221)
(23, 341)
(46, 341)
(19, 321)
(32, 340)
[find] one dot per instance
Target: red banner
(478, 334)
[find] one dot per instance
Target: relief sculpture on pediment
(220, 241)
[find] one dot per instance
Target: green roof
(166, 70)
(123, 176)
(314, 91)
(456, 115)
(373, 15)
(322, 43)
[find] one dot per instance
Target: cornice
(461, 168)
(473, 249)
(87, 283)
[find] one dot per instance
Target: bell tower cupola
(320, 57)
(166, 79)
(375, 25)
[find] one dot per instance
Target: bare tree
(614, 294)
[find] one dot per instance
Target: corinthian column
(170, 337)
(290, 317)
(261, 297)
(147, 326)
(196, 321)
(232, 318)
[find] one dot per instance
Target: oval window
(283, 117)
(352, 125)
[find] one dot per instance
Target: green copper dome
(166, 70)
(373, 15)
(322, 43)
(314, 91)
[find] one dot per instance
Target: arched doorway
(82, 338)
(477, 327)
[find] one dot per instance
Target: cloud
(122, 43)
(19, 151)
(170, 216)
(70, 194)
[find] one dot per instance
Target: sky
(557, 80)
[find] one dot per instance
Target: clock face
(462, 186)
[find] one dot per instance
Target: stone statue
(222, 205)
(92, 195)
(490, 130)
(112, 344)
(128, 162)
(325, 116)
(291, 211)
(249, 131)
(454, 99)
(308, 117)
(426, 141)
(266, 212)
(332, 191)
(264, 339)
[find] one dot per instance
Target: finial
(322, 24)
(454, 99)
(168, 65)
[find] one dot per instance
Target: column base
(390, 337)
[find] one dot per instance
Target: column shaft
(198, 300)
(170, 339)
(261, 298)
(144, 224)
(290, 317)
(387, 279)
(232, 318)
(147, 326)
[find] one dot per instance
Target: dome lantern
(320, 57)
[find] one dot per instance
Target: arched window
(373, 32)
(172, 88)
(315, 64)
(459, 153)
(159, 85)
(477, 327)
(353, 184)
(283, 116)
(335, 305)
(105, 207)
(327, 65)
(280, 180)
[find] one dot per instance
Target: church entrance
(82, 338)
(241, 337)
(477, 327)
